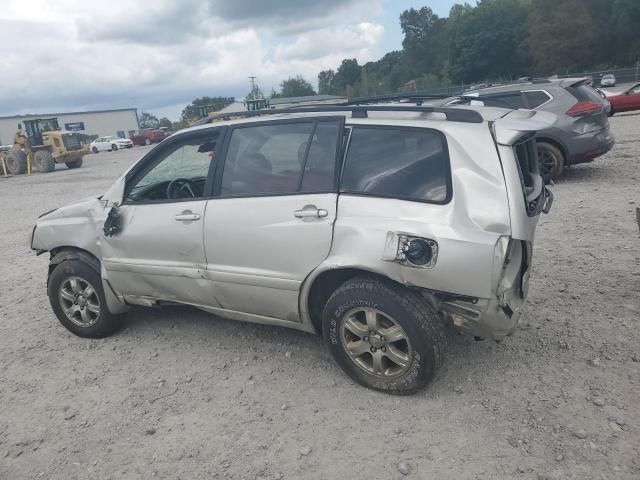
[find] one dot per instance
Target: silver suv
(375, 226)
(581, 133)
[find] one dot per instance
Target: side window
(319, 172)
(278, 159)
(536, 98)
(411, 164)
(179, 172)
(504, 100)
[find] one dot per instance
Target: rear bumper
(589, 146)
(486, 318)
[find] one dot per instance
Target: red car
(147, 136)
(625, 101)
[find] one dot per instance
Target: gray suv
(374, 226)
(581, 133)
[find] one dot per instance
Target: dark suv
(581, 133)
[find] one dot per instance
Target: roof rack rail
(396, 96)
(452, 114)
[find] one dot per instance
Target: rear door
(271, 222)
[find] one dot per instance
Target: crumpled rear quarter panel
(466, 229)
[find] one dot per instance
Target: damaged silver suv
(373, 225)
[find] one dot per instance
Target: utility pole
(253, 87)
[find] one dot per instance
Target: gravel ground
(182, 394)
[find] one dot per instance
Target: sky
(157, 56)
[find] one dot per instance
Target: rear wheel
(147, 141)
(551, 161)
(43, 161)
(384, 336)
(76, 296)
(74, 163)
(16, 162)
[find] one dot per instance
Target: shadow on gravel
(465, 356)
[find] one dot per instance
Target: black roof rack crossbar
(452, 114)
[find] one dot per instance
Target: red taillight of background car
(584, 108)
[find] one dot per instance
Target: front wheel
(74, 163)
(95, 149)
(77, 298)
(383, 335)
(551, 161)
(114, 147)
(43, 161)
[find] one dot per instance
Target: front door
(271, 221)
(159, 252)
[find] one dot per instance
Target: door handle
(187, 216)
(310, 211)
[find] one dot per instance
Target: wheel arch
(319, 286)
(556, 143)
(59, 254)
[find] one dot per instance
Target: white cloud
(73, 54)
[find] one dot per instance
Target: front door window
(180, 172)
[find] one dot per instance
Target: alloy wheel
(375, 342)
(79, 301)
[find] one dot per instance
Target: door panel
(258, 252)
(158, 256)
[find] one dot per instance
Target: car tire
(411, 354)
(147, 141)
(74, 163)
(552, 161)
(95, 149)
(612, 112)
(114, 147)
(43, 161)
(16, 161)
(77, 298)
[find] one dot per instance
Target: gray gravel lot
(182, 394)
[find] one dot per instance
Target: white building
(121, 122)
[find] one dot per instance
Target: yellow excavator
(41, 145)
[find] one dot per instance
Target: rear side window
(281, 159)
(535, 98)
(504, 100)
(411, 164)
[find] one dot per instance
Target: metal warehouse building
(122, 122)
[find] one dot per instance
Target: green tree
(488, 41)
(296, 87)
(426, 40)
(625, 22)
(165, 122)
(564, 41)
(325, 82)
(348, 74)
(148, 121)
(212, 104)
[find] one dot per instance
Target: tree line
(490, 41)
(496, 40)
